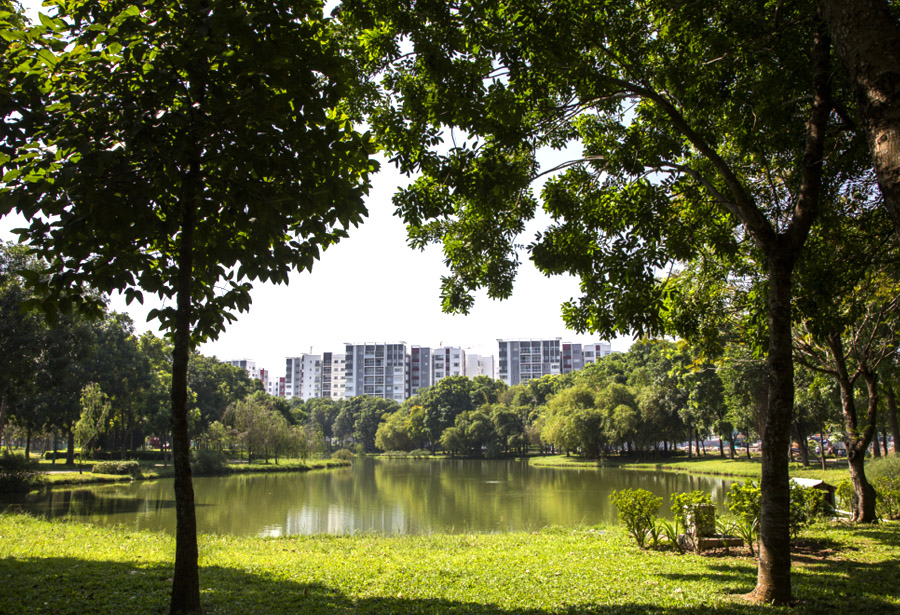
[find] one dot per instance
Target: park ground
(68, 568)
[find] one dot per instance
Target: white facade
(522, 360)
(479, 365)
(303, 376)
(247, 365)
(334, 373)
(447, 361)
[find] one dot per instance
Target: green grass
(69, 475)
(69, 568)
(711, 465)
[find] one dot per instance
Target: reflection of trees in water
(389, 496)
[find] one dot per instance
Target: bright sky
(343, 300)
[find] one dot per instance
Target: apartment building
(334, 373)
(419, 369)
(379, 370)
(447, 361)
(303, 376)
(479, 365)
(522, 360)
(247, 365)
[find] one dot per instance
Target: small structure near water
(701, 531)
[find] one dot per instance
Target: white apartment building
(479, 365)
(247, 365)
(303, 376)
(379, 370)
(447, 361)
(334, 372)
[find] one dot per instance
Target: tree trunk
(70, 444)
(186, 580)
(892, 416)
(800, 433)
(28, 443)
(867, 40)
(822, 445)
(774, 570)
(876, 448)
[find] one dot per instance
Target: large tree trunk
(773, 581)
(892, 416)
(186, 580)
(867, 40)
(774, 571)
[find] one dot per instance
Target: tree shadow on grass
(69, 586)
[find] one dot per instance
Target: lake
(375, 495)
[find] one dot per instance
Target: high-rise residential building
(479, 365)
(379, 370)
(419, 369)
(522, 360)
(447, 361)
(247, 365)
(334, 366)
(303, 376)
(277, 387)
(594, 352)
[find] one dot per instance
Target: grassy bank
(69, 475)
(64, 568)
(714, 466)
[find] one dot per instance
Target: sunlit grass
(739, 467)
(68, 568)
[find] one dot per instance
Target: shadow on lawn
(69, 586)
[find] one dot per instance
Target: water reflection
(386, 496)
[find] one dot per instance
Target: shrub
(132, 468)
(807, 505)
(637, 511)
(845, 494)
(209, 462)
(17, 474)
(744, 501)
(884, 474)
(343, 454)
(685, 504)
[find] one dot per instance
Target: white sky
(344, 298)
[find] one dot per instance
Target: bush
(17, 474)
(744, 502)
(637, 511)
(209, 462)
(343, 454)
(884, 474)
(807, 505)
(132, 468)
(685, 504)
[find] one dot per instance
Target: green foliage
(343, 454)
(637, 511)
(884, 474)
(744, 501)
(684, 504)
(845, 494)
(807, 505)
(208, 462)
(131, 468)
(17, 474)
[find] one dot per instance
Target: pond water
(375, 495)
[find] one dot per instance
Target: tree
(701, 127)
(183, 150)
(867, 39)
(94, 413)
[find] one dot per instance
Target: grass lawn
(61, 474)
(70, 568)
(713, 465)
